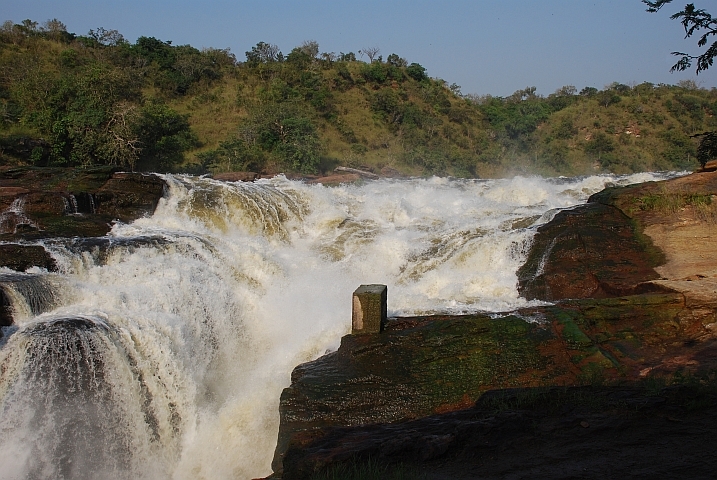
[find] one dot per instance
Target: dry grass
(214, 114)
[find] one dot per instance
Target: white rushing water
(162, 353)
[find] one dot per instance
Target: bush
(287, 133)
(234, 155)
(164, 136)
(601, 147)
(416, 72)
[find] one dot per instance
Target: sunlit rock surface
(649, 236)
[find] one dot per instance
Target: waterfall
(160, 350)
(14, 216)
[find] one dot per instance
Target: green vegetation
(370, 469)
(672, 202)
(68, 99)
(697, 22)
(684, 389)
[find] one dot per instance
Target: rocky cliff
(37, 203)
(633, 276)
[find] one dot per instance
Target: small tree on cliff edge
(695, 22)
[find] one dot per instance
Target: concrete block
(369, 309)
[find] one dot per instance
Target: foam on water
(180, 341)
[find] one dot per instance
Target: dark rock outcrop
(128, 196)
(429, 365)
(21, 257)
(560, 432)
(39, 203)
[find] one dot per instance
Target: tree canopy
(696, 22)
(700, 23)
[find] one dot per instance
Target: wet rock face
(128, 196)
(24, 295)
(417, 367)
(591, 251)
(424, 366)
(53, 202)
(21, 257)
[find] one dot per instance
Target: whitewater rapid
(161, 351)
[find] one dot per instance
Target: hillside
(75, 100)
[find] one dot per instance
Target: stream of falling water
(161, 351)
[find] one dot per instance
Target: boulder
(21, 257)
(128, 196)
(625, 240)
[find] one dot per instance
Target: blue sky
(487, 46)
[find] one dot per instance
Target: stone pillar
(369, 309)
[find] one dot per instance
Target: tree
(56, 30)
(29, 26)
(708, 147)
(693, 20)
(329, 57)
(562, 97)
(121, 145)
(566, 91)
(370, 52)
(108, 38)
(151, 49)
(600, 146)
(416, 72)
(220, 57)
(234, 155)
(310, 47)
(396, 61)
(347, 57)
(284, 131)
(607, 97)
(79, 112)
(163, 135)
(264, 53)
(528, 93)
